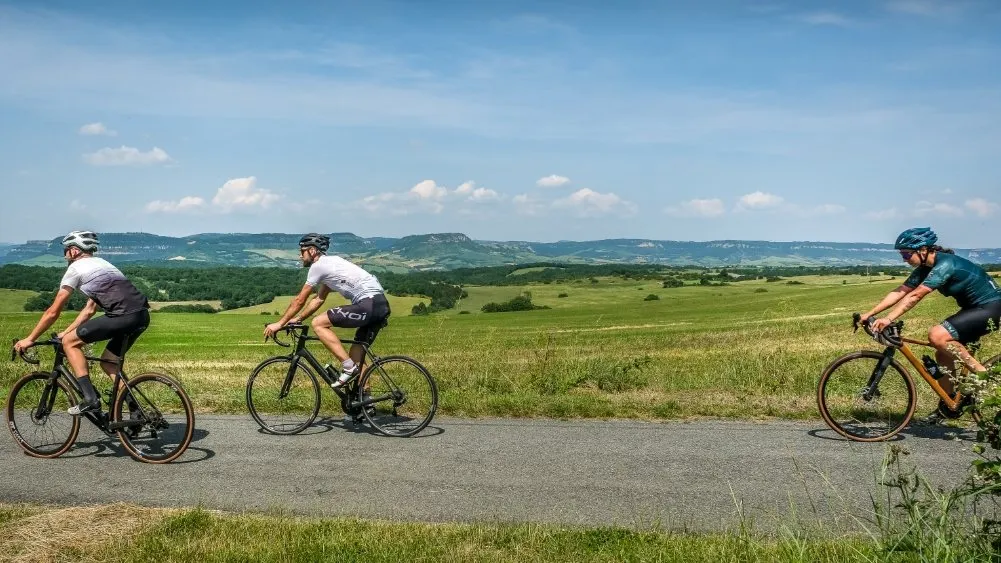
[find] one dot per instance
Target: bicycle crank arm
(115, 426)
(371, 400)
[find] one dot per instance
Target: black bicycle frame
(101, 419)
(301, 352)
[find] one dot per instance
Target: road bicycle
(151, 413)
(395, 394)
(869, 396)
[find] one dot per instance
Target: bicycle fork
(871, 390)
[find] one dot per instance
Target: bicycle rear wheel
(165, 418)
(845, 407)
(37, 417)
(406, 396)
(279, 404)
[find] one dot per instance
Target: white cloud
(96, 129)
(237, 194)
(923, 208)
(552, 181)
(465, 188)
(759, 200)
(589, 203)
(185, 204)
(981, 207)
(428, 189)
(525, 204)
(484, 194)
(830, 208)
(242, 193)
(826, 18)
(883, 214)
(127, 156)
(928, 8)
(698, 208)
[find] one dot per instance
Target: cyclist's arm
(314, 304)
(909, 301)
(87, 312)
(890, 300)
(51, 315)
(297, 302)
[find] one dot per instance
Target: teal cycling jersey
(957, 277)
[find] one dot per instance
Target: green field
(748, 350)
(13, 300)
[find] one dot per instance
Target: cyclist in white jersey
(126, 314)
(367, 312)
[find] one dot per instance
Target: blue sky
(543, 120)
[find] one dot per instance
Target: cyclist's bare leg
(73, 347)
(111, 368)
(325, 332)
(952, 355)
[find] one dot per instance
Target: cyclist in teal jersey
(976, 293)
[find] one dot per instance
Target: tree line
(237, 287)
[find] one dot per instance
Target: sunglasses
(906, 254)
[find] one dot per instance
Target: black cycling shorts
(969, 325)
(121, 330)
(368, 316)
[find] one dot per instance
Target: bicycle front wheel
(37, 417)
(162, 416)
(404, 393)
(283, 399)
(858, 413)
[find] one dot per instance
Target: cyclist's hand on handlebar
(23, 344)
(271, 329)
(879, 324)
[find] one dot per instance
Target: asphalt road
(701, 476)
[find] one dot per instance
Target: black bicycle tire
(12, 426)
(868, 354)
(116, 410)
(434, 394)
(250, 401)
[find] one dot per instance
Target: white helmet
(84, 240)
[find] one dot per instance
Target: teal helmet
(913, 239)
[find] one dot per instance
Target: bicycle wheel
(840, 396)
(166, 414)
(37, 417)
(405, 393)
(278, 413)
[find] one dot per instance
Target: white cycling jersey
(99, 280)
(343, 277)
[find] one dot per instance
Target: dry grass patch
(70, 534)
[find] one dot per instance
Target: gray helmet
(84, 240)
(316, 240)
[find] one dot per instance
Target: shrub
(464, 312)
(197, 308)
(522, 302)
(672, 282)
(651, 297)
(563, 295)
(420, 309)
(760, 290)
